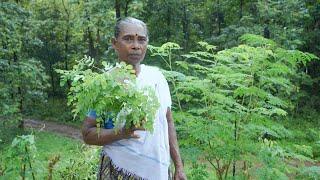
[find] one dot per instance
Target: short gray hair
(120, 23)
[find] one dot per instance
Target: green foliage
(231, 101)
(166, 53)
(272, 157)
(257, 41)
(312, 172)
(68, 158)
(53, 109)
(16, 26)
(312, 135)
(111, 90)
(260, 127)
(304, 150)
(23, 85)
(81, 166)
(276, 20)
(316, 149)
(199, 172)
(22, 79)
(73, 155)
(58, 32)
(33, 82)
(250, 89)
(23, 152)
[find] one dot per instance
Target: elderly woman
(133, 153)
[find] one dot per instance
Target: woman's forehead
(133, 29)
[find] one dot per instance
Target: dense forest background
(244, 76)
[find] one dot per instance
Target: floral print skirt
(107, 171)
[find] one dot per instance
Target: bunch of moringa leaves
(112, 91)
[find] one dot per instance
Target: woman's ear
(114, 43)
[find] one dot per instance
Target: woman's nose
(135, 45)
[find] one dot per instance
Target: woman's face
(131, 44)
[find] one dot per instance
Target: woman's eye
(142, 40)
(127, 38)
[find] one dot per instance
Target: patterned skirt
(107, 171)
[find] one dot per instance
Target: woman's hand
(129, 133)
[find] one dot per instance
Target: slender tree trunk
(227, 169)
(98, 35)
(315, 65)
(219, 14)
(4, 46)
(96, 50)
(117, 7)
(66, 36)
(266, 32)
(168, 21)
(219, 28)
(185, 24)
(20, 95)
(234, 151)
(23, 172)
(66, 49)
(241, 9)
(52, 78)
(89, 38)
(90, 43)
(126, 8)
(15, 61)
(15, 57)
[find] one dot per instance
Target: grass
(73, 156)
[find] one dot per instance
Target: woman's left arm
(174, 148)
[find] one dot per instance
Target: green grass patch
(74, 160)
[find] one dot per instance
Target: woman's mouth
(134, 55)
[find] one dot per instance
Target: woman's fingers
(135, 136)
(138, 128)
(129, 133)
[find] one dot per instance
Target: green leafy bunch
(112, 91)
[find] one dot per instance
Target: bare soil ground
(62, 129)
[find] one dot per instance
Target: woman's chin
(134, 60)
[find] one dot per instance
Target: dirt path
(62, 129)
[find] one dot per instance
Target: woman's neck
(137, 68)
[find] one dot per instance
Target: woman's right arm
(106, 136)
